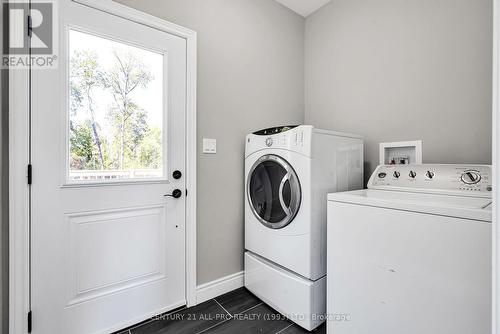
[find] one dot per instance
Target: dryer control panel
(297, 139)
(464, 180)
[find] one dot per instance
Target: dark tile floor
(237, 312)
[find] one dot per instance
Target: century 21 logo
(39, 27)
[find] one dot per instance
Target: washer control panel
(468, 180)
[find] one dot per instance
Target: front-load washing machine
(289, 172)
(412, 253)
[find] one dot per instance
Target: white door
(108, 132)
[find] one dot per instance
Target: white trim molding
(18, 201)
(18, 197)
(19, 155)
(219, 286)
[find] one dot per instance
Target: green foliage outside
(133, 143)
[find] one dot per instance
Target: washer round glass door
(274, 192)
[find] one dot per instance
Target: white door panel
(107, 247)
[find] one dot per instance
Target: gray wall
(250, 76)
(395, 70)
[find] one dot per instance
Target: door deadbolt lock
(177, 174)
(177, 193)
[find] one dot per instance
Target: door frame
(19, 285)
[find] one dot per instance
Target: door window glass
(116, 111)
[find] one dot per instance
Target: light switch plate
(209, 146)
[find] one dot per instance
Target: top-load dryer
(289, 172)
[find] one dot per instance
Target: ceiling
(304, 7)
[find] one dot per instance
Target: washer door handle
(285, 207)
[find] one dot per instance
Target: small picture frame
(401, 153)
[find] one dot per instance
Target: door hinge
(30, 26)
(30, 174)
(30, 321)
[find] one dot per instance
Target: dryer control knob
(430, 175)
(396, 174)
(269, 142)
(412, 174)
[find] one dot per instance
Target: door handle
(177, 193)
(285, 207)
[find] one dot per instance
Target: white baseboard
(219, 287)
